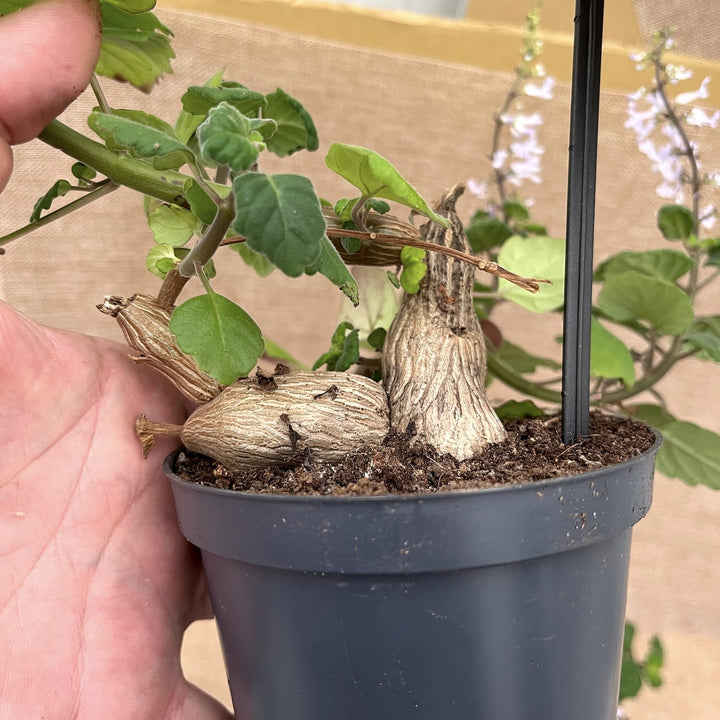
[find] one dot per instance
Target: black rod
(584, 112)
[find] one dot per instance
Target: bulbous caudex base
(434, 360)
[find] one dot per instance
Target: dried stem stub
(434, 360)
(146, 326)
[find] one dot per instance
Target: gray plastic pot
(499, 604)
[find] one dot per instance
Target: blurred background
(419, 83)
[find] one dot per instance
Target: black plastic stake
(584, 113)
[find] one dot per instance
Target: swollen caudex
(260, 422)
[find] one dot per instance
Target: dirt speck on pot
(532, 451)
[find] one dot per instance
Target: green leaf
(609, 356)
(140, 139)
(262, 266)
(675, 222)
(9, 6)
(631, 671)
(393, 279)
(536, 256)
(654, 662)
(344, 349)
(201, 205)
(486, 232)
(713, 257)
(199, 99)
(187, 123)
(295, 128)
(634, 296)
(276, 352)
(652, 415)
(414, 269)
(376, 339)
(281, 218)
(514, 410)
(705, 334)
(223, 139)
(133, 6)
(135, 47)
(58, 190)
(522, 361)
(161, 259)
(375, 176)
(708, 343)
(219, 334)
(172, 225)
(664, 264)
(515, 210)
(331, 265)
(690, 453)
(83, 173)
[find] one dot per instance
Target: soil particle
(533, 451)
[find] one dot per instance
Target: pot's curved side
(525, 621)
(416, 533)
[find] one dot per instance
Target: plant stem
(213, 237)
(138, 175)
(100, 95)
(103, 188)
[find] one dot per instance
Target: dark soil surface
(533, 451)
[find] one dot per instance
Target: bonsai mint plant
(328, 605)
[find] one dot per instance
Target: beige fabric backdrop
(433, 121)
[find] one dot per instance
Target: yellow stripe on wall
(489, 38)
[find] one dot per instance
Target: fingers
(49, 52)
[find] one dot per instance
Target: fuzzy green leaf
(135, 47)
(140, 139)
(331, 265)
(609, 356)
(199, 99)
(675, 222)
(414, 269)
(262, 266)
(133, 6)
(223, 139)
(707, 343)
(172, 225)
(219, 334)
(536, 256)
(514, 410)
(690, 453)
(161, 259)
(664, 264)
(281, 218)
(344, 349)
(634, 296)
(58, 190)
(522, 361)
(486, 232)
(10, 6)
(375, 176)
(295, 128)
(652, 415)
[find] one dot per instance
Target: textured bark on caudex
(434, 361)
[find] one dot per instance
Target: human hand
(97, 583)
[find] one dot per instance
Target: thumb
(49, 52)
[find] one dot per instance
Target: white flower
(689, 97)
(676, 73)
(621, 714)
(708, 217)
(499, 157)
(544, 91)
(477, 188)
(699, 118)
